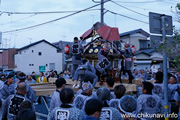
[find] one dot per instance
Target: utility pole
(102, 10)
(165, 28)
(165, 67)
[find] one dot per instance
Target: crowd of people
(110, 102)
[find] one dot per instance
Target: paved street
(41, 108)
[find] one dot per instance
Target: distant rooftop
(135, 31)
(147, 51)
(32, 44)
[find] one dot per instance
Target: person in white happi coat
(65, 75)
(30, 92)
(159, 86)
(12, 104)
(110, 85)
(8, 88)
(127, 105)
(119, 92)
(80, 99)
(55, 99)
(107, 112)
(172, 87)
(75, 52)
(2, 81)
(85, 69)
(147, 103)
(93, 109)
(30, 80)
(66, 111)
(177, 99)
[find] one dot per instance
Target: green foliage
(178, 6)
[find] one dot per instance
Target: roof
(135, 31)
(147, 51)
(35, 43)
(69, 60)
(106, 32)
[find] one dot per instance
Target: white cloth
(159, 90)
(66, 76)
(172, 88)
(55, 100)
(154, 69)
(150, 104)
(110, 113)
(41, 79)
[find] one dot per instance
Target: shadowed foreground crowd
(17, 100)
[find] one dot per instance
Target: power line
(129, 9)
(53, 12)
(127, 17)
(173, 1)
(54, 19)
(170, 1)
(167, 2)
(138, 2)
(17, 20)
(147, 8)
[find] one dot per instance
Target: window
(32, 51)
(31, 64)
(51, 66)
(58, 50)
(143, 44)
(39, 53)
(46, 65)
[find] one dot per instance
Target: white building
(39, 56)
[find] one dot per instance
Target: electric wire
(53, 12)
(137, 2)
(17, 20)
(54, 20)
(148, 8)
(127, 17)
(129, 9)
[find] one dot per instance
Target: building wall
(61, 45)
(142, 56)
(142, 66)
(11, 54)
(134, 40)
(29, 60)
(5, 59)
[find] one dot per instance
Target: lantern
(66, 49)
(133, 49)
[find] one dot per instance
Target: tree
(175, 52)
(172, 47)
